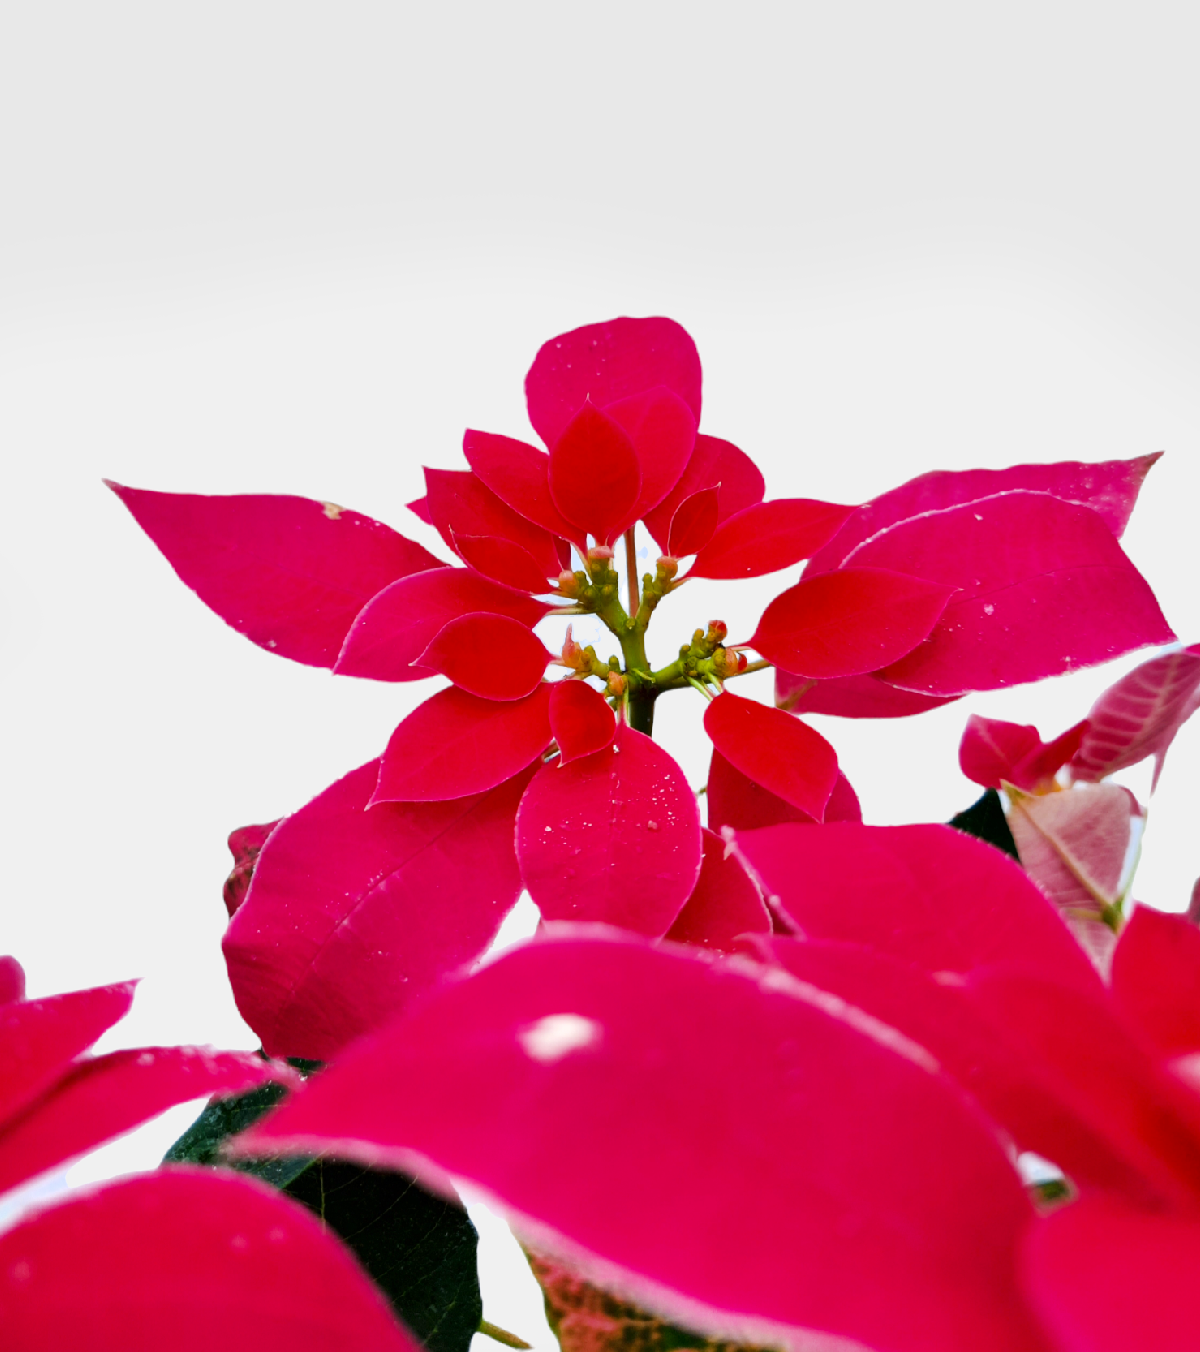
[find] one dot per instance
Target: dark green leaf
(985, 820)
(419, 1248)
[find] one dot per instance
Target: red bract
(189, 1259)
(724, 904)
(519, 474)
(736, 800)
(663, 431)
(460, 504)
(289, 573)
(493, 656)
(606, 362)
(614, 836)
(245, 844)
(1043, 588)
(502, 561)
(353, 912)
(775, 750)
(710, 1140)
(12, 980)
(905, 895)
(767, 536)
(595, 478)
(396, 627)
(457, 744)
(694, 522)
(715, 464)
(993, 752)
(580, 720)
(848, 623)
(851, 697)
(1155, 978)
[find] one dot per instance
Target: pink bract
(189, 1259)
(649, 1116)
(613, 837)
(353, 912)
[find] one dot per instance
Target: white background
(268, 247)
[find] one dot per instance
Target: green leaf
(985, 820)
(419, 1248)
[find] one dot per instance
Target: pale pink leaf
(749, 1157)
(1043, 588)
(1086, 832)
(397, 626)
(580, 719)
(613, 837)
(461, 504)
(40, 1038)
(188, 1259)
(606, 362)
(288, 573)
(1156, 979)
(1150, 1300)
(928, 894)
(457, 744)
(352, 912)
(1139, 716)
(851, 697)
(714, 464)
(849, 622)
(1110, 488)
(768, 536)
(785, 756)
(493, 656)
(724, 903)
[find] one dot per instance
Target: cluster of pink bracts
(769, 1077)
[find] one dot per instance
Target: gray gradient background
(298, 248)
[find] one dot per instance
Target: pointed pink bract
(493, 656)
(1156, 979)
(849, 622)
(724, 903)
(580, 719)
(606, 362)
(694, 522)
(768, 536)
(613, 837)
(851, 697)
(714, 464)
(1151, 1301)
(288, 573)
(462, 504)
(927, 894)
(399, 624)
(40, 1038)
(663, 432)
(518, 474)
(1110, 488)
(1139, 716)
(187, 1259)
(102, 1097)
(353, 912)
(775, 750)
(748, 1157)
(1043, 587)
(1084, 832)
(595, 477)
(457, 744)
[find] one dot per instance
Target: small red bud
(616, 683)
(599, 553)
(568, 583)
(667, 567)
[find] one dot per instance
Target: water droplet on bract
(989, 609)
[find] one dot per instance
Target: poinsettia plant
(767, 1075)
